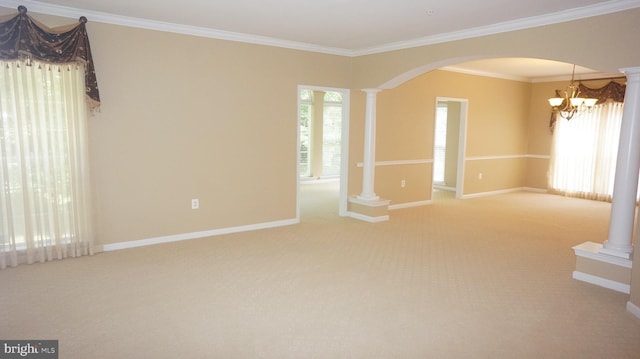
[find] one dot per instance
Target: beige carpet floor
(478, 278)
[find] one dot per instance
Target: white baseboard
(194, 235)
(602, 282)
(533, 189)
(503, 191)
(362, 217)
(444, 187)
(634, 309)
(409, 204)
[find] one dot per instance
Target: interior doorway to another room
(323, 125)
(449, 147)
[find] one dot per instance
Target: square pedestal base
(600, 269)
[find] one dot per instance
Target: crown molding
(520, 24)
(96, 16)
(536, 21)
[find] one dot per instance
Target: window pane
(306, 95)
(332, 127)
(332, 96)
(305, 139)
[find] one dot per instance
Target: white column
(368, 172)
(623, 203)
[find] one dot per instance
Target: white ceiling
(346, 27)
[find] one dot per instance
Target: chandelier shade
(570, 102)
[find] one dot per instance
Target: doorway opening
(323, 134)
(449, 147)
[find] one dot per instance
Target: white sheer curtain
(584, 152)
(45, 210)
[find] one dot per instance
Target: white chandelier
(571, 103)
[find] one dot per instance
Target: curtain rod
(605, 78)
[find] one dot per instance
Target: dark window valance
(23, 38)
(613, 90)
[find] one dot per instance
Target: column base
(369, 210)
(595, 267)
(370, 198)
(614, 252)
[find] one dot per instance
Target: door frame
(462, 140)
(344, 147)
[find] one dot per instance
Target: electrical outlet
(195, 203)
(480, 175)
(403, 183)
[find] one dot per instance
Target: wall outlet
(195, 203)
(480, 175)
(403, 183)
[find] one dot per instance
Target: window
(306, 112)
(44, 183)
(331, 133)
(584, 153)
(320, 138)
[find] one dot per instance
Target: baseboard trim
(409, 204)
(634, 309)
(602, 282)
(194, 235)
(370, 219)
(536, 190)
(504, 191)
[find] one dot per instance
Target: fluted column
(368, 172)
(623, 203)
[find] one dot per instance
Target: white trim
(475, 158)
(634, 309)
(444, 188)
(368, 203)
(410, 204)
(530, 22)
(194, 235)
(344, 154)
(96, 16)
(462, 144)
(344, 147)
(501, 157)
(462, 140)
(370, 219)
(474, 195)
(493, 193)
(520, 24)
(398, 163)
(591, 250)
(542, 157)
(602, 282)
(533, 189)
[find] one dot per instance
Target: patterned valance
(22, 38)
(613, 91)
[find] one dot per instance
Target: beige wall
(498, 113)
(188, 117)
(573, 42)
